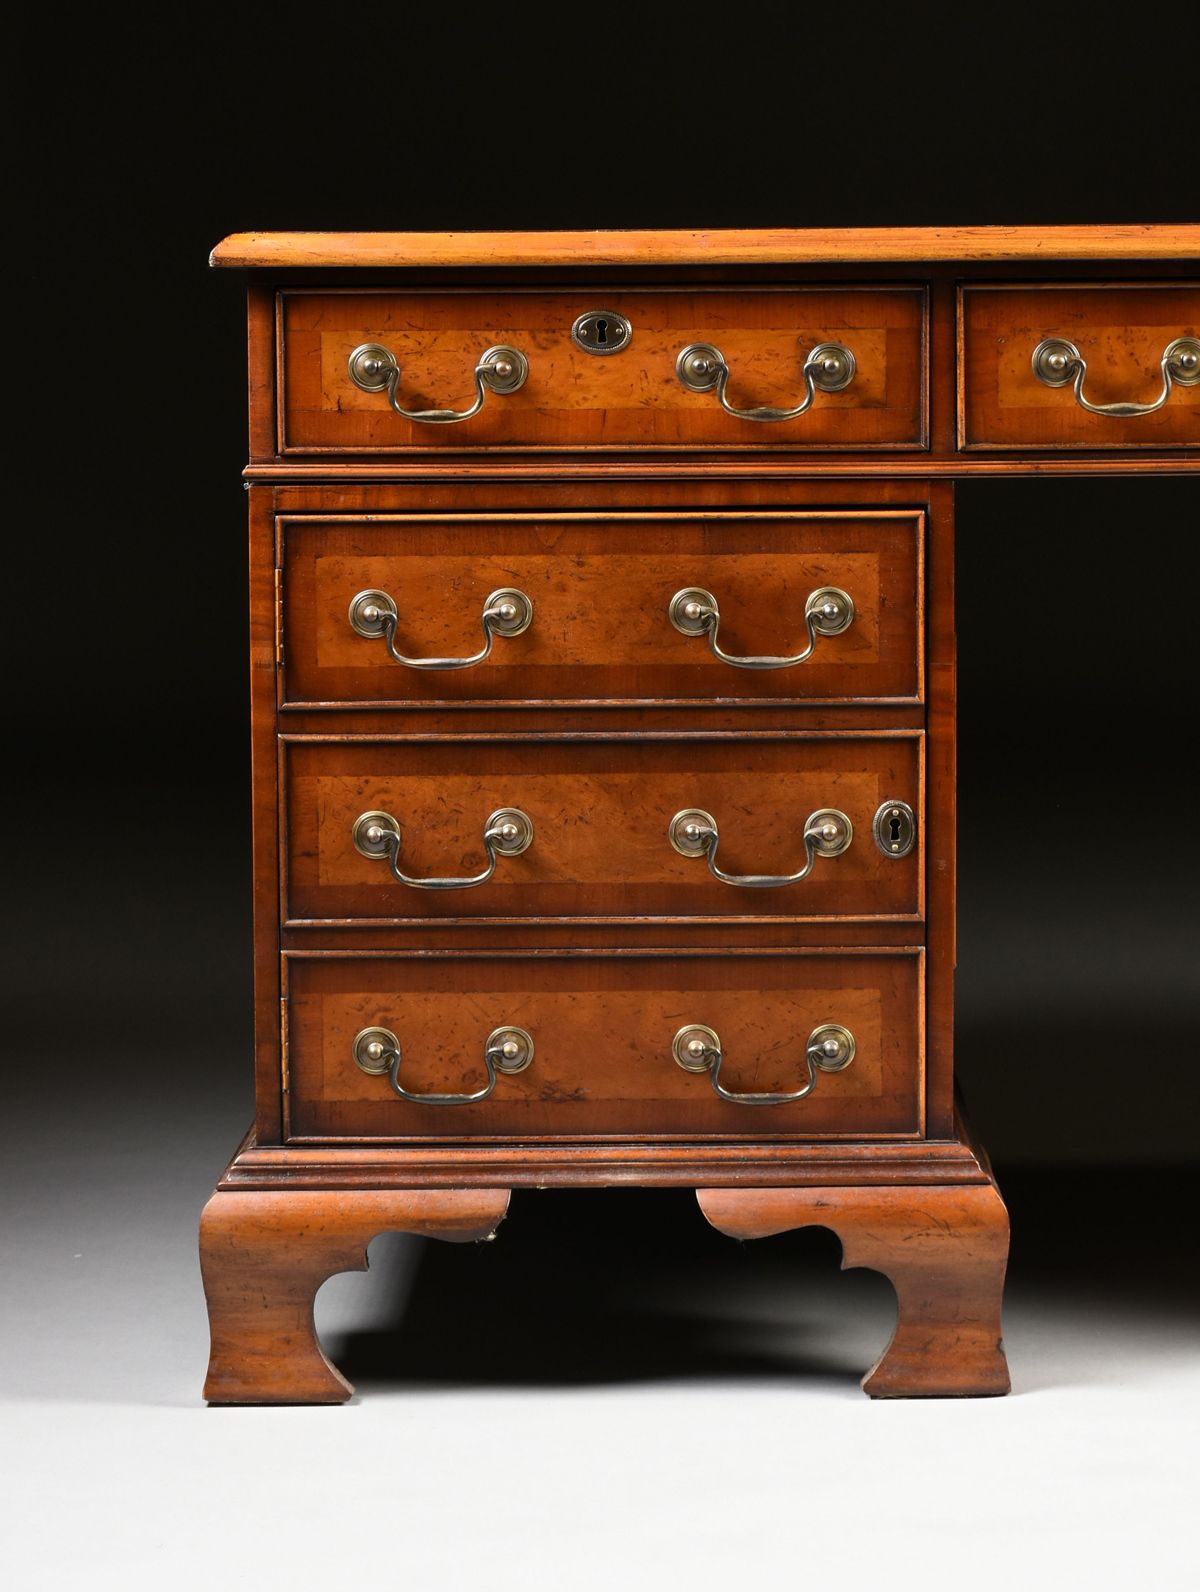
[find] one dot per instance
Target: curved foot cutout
(944, 1249)
(263, 1256)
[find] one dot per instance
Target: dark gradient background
(611, 1394)
(127, 924)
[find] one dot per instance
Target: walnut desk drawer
(1079, 366)
(394, 372)
(785, 826)
(791, 606)
(605, 1045)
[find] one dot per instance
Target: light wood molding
(718, 246)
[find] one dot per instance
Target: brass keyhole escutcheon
(601, 332)
(895, 828)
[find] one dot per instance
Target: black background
(127, 928)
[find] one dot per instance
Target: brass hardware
(278, 616)
(601, 332)
(832, 1047)
(827, 612)
(368, 833)
(369, 612)
(697, 1048)
(694, 1047)
(507, 833)
(512, 1049)
(374, 368)
(507, 612)
(1058, 363)
(895, 828)
(690, 831)
(371, 1050)
(693, 833)
(370, 365)
(377, 1051)
(513, 831)
(829, 368)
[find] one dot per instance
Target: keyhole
(895, 822)
(602, 331)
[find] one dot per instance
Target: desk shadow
(600, 1287)
(592, 1288)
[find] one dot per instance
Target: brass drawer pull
(507, 612)
(693, 833)
(1056, 363)
(508, 1050)
(827, 612)
(697, 1048)
(829, 368)
(501, 370)
(507, 833)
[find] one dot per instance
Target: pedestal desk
(602, 660)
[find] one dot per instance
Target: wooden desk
(602, 660)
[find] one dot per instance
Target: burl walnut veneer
(602, 661)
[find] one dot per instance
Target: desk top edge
(761, 246)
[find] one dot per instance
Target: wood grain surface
(266, 834)
(831, 469)
(943, 1249)
(1121, 333)
(445, 490)
(706, 246)
(605, 1163)
(601, 722)
(263, 1257)
(573, 399)
(601, 813)
(602, 1029)
(601, 588)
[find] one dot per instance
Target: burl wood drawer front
(572, 398)
(601, 588)
(1121, 334)
(600, 813)
(602, 1030)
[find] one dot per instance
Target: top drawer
(615, 382)
(1033, 359)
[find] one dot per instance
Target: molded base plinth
(265, 1249)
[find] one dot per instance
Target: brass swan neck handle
(373, 367)
(507, 833)
(827, 612)
(830, 367)
(507, 612)
(694, 833)
(697, 1048)
(507, 1050)
(1058, 363)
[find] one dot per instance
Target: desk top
(732, 246)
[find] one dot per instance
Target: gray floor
(578, 1405)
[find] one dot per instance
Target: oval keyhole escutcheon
(601, 332)
(895, 829)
